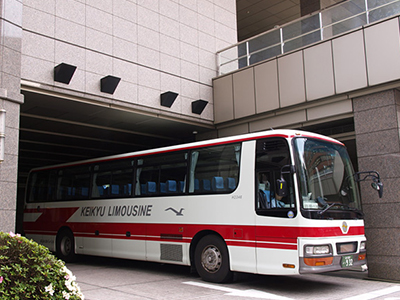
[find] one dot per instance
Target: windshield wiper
(329, 206)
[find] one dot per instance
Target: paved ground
(116, 279)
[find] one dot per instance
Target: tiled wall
(153, 46)
(10, 100)
(378, 147)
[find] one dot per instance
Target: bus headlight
(318, 255)
(317, 250)
(363, 246)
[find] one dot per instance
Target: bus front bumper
(332, 263)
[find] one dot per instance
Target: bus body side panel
(97, 246)
(243, 254)
(129, 249)
(276, 246)
(112, 228)
(271, 261)
(38, 226)
(175, 221)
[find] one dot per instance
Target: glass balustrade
(316, 27)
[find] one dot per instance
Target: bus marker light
(362, 256)
(289, 266)
(319, 261)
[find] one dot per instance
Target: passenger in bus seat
(266, 198)
(264, 191)
(276, 202)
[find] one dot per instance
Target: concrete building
(127, 60)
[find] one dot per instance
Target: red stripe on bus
(186, 231)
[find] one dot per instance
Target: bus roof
(284, 133)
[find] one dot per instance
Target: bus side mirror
(378, 186)
(376, 180)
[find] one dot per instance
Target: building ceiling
(56, 130)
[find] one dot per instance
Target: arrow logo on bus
(178, 213)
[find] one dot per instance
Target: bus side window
(149, 180)
(214, 169)
(38, 187)
(113, 179)
(161, 174)
(73, 183)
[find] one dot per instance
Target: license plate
(347, 261)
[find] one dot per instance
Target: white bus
(277, 202)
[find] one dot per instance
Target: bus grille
(171, 252)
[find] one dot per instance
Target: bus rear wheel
(212, 259)
(66, 246)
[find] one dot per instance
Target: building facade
(60, 57)
(345, 86)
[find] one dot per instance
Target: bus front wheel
(66, 246)
(212, 259)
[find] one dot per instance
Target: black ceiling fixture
(63, 73)
(109, 83)
(168, 98)
(198, 106)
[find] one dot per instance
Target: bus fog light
(362, 246)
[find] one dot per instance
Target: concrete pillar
(376, 120)
(10, 101)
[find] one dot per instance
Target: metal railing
(316, 27)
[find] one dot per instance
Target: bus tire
(66, 246)
(212, 259)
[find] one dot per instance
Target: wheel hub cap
(211, 259)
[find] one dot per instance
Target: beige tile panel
(318, 68)
(291, 79)
(243, 93)
(328, 110)
(223, 99)
(266, 86)
(279, 121)
(382, 43)
(234, 130)
(349, 62)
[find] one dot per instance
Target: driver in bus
(266, 198)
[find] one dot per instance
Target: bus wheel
(66, 246)
(212, 259)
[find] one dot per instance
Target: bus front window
(326, 182)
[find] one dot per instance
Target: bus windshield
(326, 183)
